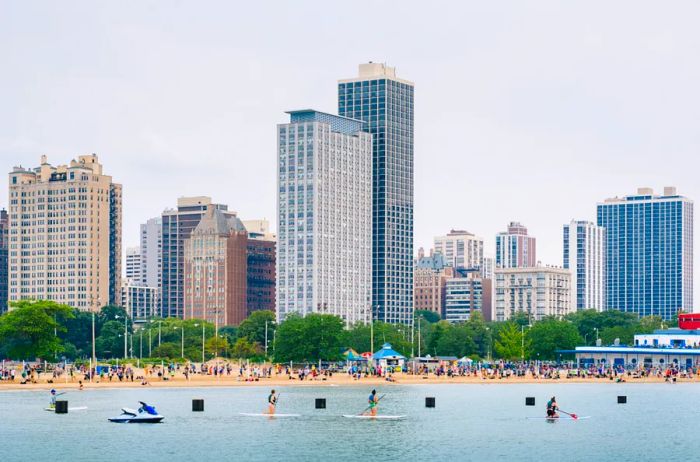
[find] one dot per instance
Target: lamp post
(126, 332)
(94, 358)
(197, 325)
(182, 341)
(596, 335)
(522, 341)
(140, 347)
(265, 339)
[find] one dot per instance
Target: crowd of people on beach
(248, 372)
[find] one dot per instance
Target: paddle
(573, 416)
(369, 407)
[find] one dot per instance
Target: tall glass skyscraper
(649, 240)
(385, 104)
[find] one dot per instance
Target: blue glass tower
(649, 253)
(385, 104)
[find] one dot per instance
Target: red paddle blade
(574, 416)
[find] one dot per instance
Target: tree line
(55, 332)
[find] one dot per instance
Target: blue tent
(387, 353)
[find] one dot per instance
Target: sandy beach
(282, 380)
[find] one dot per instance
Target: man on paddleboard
(552, 408)
(52, 404)
(272, 402)
(373, 402)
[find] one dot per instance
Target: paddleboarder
(272, 402)
(52, 404)
(552, 408)
(373, 402)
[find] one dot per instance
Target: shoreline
(335, 381)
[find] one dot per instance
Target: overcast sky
(529, 111)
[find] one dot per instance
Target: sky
(524, 111)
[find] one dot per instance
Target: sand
(282, 380)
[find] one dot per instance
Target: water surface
(470, 422)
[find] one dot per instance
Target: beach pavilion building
(671, 347)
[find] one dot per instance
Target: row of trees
(47, 330)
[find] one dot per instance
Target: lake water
(469, 422)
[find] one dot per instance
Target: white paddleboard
(250, 414)
(79, 408)
(378, 417)
(581, 417)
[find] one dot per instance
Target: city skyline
(576, 124)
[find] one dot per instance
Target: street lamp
(596, 336)
(126, 332)
(522, 342)
(182, 343)
(197, 325)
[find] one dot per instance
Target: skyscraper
(177, 225)
(385, 104)
(133, 265)
(216, 269)
(584, 255)
(152, 252)
(4, 244)
(514, 248)
(649, 239)
(324, 215)
(65, 234)
(262, 254)
(461, 249)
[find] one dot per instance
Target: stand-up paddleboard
(79, 408)
(262, 414)
(378, 417)
(581, 417)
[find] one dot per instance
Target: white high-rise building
(461, 249)
(538, 292)
(584, 255)
(151, 252)
(133, 265)
(324, 202)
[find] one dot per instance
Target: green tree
(78, 334)
(314, 337)
(110, 342)
(253, 328)
(429, 316)
(217, 346)
(29, 329)
(510, 344)
(552, 334)
(170, 350)
(244, 348)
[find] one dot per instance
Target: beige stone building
(538, 291)
(65, 234)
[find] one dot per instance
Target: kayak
(78, 408)
(379, 417)
(251, 414)
(564, 417)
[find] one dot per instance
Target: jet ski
(145, 414)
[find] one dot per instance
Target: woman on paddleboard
(552, 408)
(272, 402)
(373, 401)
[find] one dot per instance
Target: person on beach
(552, 408)
(373, 401)
(272, 402)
